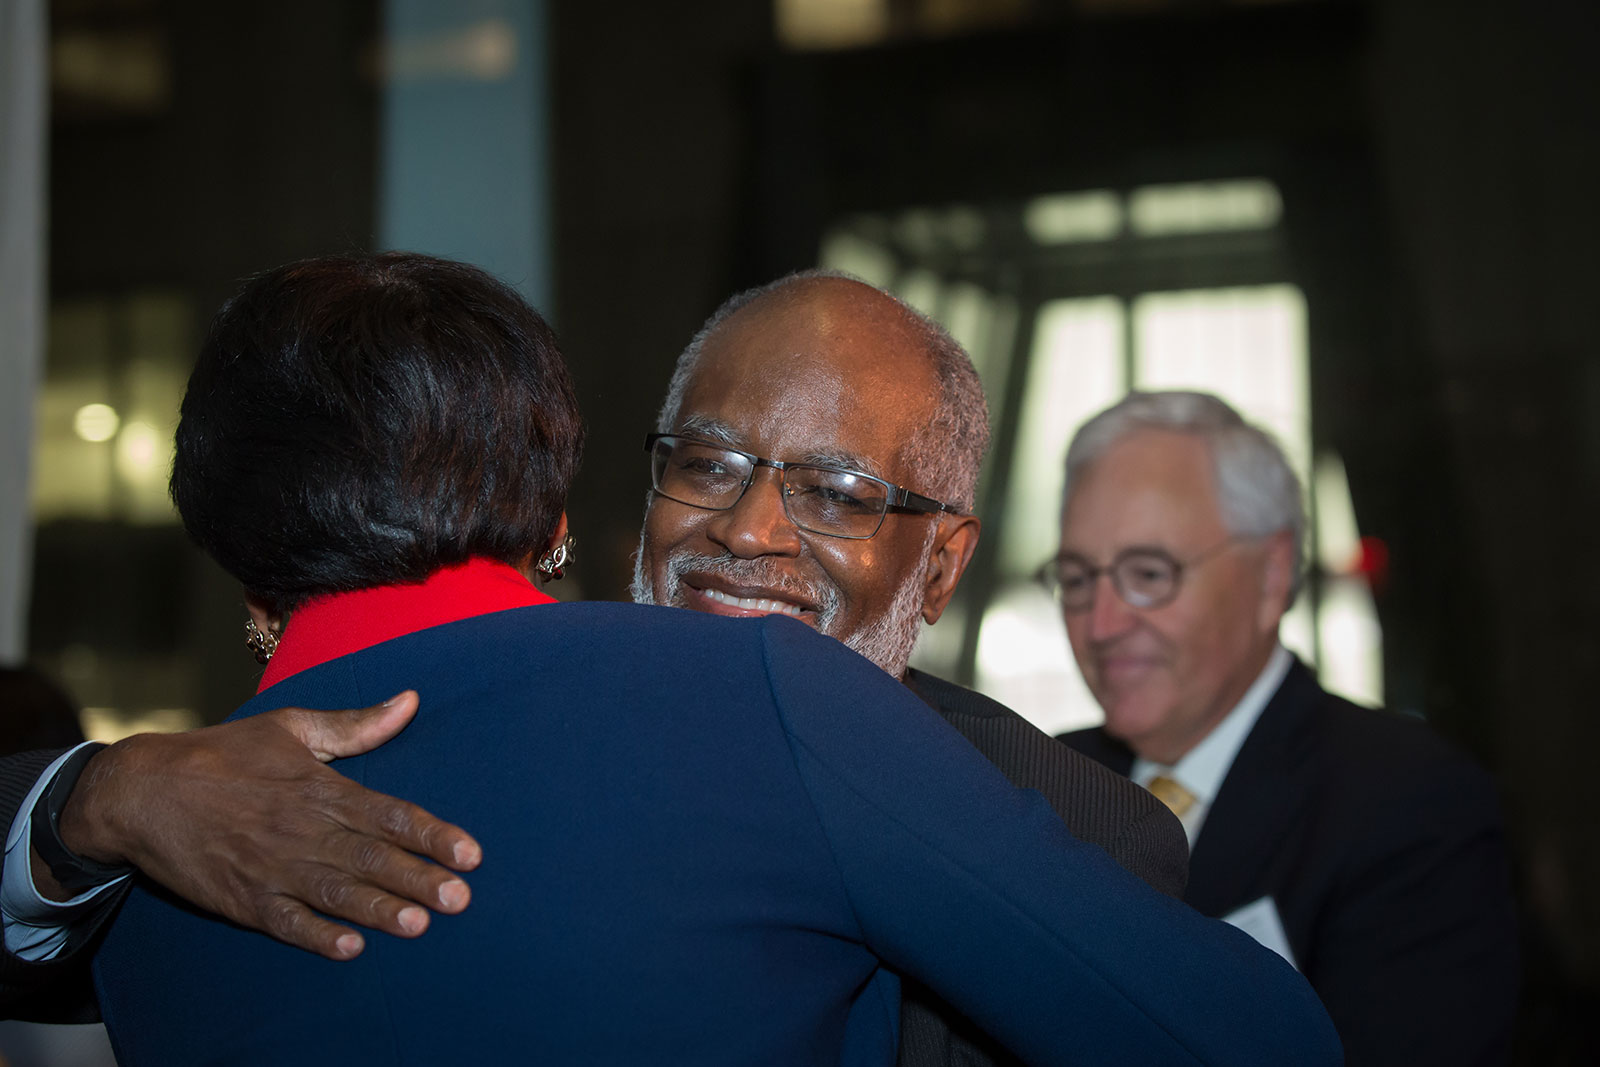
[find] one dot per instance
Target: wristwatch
(75, 873)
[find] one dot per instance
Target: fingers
(242, 820)
(376, 878)
(382, 818)
(293, 923)
(337, 734)
(291, 914)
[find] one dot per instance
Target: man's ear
(1277, 578)
(952, 550)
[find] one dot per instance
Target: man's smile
(707, 593)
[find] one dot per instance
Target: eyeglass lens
(820, 499)
(1143, 578)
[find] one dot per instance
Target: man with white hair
(1352, 841)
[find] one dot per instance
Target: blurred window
(107, 545)
(108, 408)
(1179, 286)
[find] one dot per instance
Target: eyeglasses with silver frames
(1142, 577)
(820, 499)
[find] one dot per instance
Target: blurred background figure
(1368, 226)
(34, 712)
(1348, 840)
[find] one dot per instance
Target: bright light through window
(868, 260)
(1076, 371)
(1248, 346)
(1204, 207)
(968, 312)
(1350, 641)
(1024, 662)
(1067, 217)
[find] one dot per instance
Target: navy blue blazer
(1383, 851)
(706, 841)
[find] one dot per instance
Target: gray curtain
(23, 103)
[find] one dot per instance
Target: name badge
(1260, 919)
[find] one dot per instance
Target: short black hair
(364, 420)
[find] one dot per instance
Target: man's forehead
(709, 428)
(1152, 487)
(863, 333)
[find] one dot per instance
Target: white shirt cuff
(36, 929)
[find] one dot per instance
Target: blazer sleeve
(977, 890)
(57, 990)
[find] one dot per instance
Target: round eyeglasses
(1142, 577)
(824, 500)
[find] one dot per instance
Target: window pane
(1075, 370)
(1349, 637)
(843, 249)
(1203, 207)
(1246, 345)
(1024, 662)
(1064, 218)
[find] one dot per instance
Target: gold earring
(552, 566)
(262, 642)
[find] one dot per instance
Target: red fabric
(341, 623)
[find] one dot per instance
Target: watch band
(75, 873)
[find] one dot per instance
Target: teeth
(779, 607)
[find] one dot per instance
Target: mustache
(759, 572)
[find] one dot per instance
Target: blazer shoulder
(1379, 780)
(1097, 804)
(1099, 746)
(1387, 752)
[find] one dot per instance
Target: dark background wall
(1439, 168)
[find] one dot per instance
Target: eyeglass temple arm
(905, 498)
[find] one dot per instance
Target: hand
(244, 820)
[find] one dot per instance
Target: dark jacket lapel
(1259, 802)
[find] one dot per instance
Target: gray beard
(886, 640)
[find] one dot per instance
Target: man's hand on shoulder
(245, 820)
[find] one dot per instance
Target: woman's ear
(560, 535)
(263, 628)
(267, 618)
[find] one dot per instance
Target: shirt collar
(327, 627)
(1203, 767)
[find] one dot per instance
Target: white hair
(946, 453)
(1257, 491)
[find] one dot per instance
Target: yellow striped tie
(1170, 793)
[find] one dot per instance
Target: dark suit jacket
(1383, 850)
(55, 991)
(1099, 807)
(726, 831)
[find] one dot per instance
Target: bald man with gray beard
(770, 495)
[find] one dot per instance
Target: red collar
(338, 624)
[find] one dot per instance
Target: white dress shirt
(1203, 767)
(36, 928)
